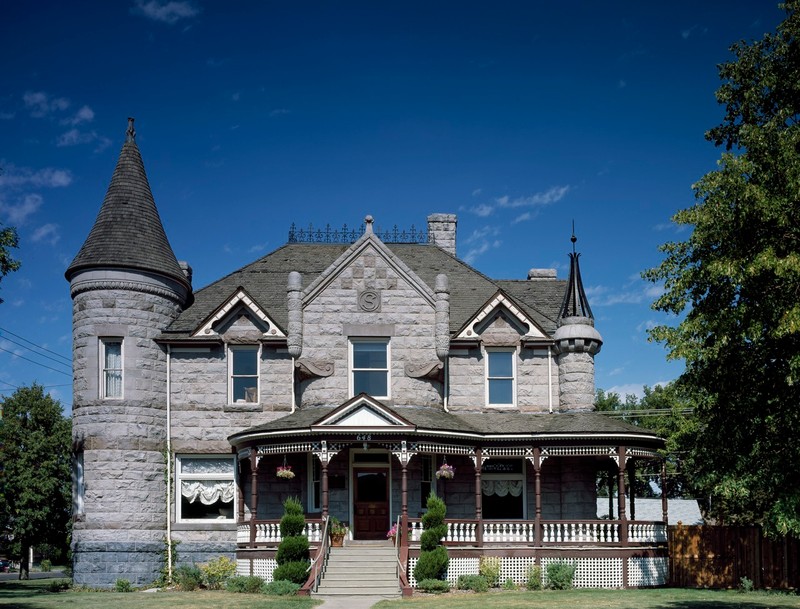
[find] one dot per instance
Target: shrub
(45, 566)
(434, 586)
(293, 549)
(188, 577)
(292, 525)
(746, 585)
(476, 583)
(490, 568)
(58, 585)
(216, 571)
(509, 584)
(432, 564)
(123, 585)
(296, 572)
(434, 516)
(280, 587)
(534, 577)
(560, 575)
(244, 584)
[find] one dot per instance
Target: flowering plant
(446, 471)
(392, 532)
(285, 472)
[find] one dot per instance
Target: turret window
(111, 368)
(501, 377)
(243, 365)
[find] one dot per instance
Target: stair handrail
(401, 551)
(316, 568)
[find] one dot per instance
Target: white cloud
(482, 241)
(603, 296)
(522, 218)
(7, 116)
(483, 233)
(40, 104)
(84, 115)
(19, 213)
(258, 247)
(621, 84)
(166, 12)
(47, 233)
(236, 96)
(482, 210)
(278, 112)
(19, 177)
(648, 324)
(76, 137)
(539, 199)
(477, 192)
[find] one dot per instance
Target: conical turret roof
(575, 302)
(128, 232)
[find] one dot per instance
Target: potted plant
(445, 472)
(337, 531)
(285, 472)
(392, 534)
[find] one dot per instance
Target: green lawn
(33, 595)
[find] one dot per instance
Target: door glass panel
(371, 486)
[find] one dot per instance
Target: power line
(27, 359)
(39, 354)
(30, 342)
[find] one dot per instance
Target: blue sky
(518, 116)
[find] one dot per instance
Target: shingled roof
(265, 281)
(128, 232)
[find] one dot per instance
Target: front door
(371, 504)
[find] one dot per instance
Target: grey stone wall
(576, 381)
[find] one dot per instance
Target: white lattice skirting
(589, 572)
(262, 567)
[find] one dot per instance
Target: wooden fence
(719, 556)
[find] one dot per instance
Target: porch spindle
(403, 498)
(253, 495)
(239, 491)
(324, 482)
(537, 489)
(632, 487)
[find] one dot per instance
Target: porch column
(239, 491)
(478, 497)
(253, 495)
(623, 519)
(537, 490)
(403, 496)
(632, 488)
(610, 481)
(664, 512)
(324, 483)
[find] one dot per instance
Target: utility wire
(35, 362)
(39, 354)
(35, 345)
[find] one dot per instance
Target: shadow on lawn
(14, 593)
(758, 600)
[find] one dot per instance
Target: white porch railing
(580, 532)
(269, 532)
(647, 532)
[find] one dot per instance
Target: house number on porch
(364, 437)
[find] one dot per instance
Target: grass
(33, 595)
(662, 598)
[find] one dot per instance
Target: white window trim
(179, 477)
(514, 375)
(230, 350)
(352, 370)
(101, 360)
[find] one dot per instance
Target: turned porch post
(324, 483)
(537, 489)
(478, 497)
(403, 499)
(623, 519)
(632, 488)
(664, 512)
(253, 495)
(239, 491)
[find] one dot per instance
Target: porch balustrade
(268, 532)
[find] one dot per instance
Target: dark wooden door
(371, 505)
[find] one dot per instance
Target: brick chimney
(442, 230)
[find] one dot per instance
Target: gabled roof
(500, 302)
(128, 232)
(266, 280)
(242, 298)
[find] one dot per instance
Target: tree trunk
(24, 567)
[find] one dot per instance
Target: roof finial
(573, 238)
(131, 132)
(368, 221)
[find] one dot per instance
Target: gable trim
(337, 420)
(500, 300)
(239, 297)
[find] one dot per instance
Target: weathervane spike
(131, 132)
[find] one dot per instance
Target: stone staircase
(361, 569)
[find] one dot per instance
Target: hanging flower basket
(285, 472)
(445, 472)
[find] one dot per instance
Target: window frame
(104, 369)
(256, 349)
(385, 340)
(513, 351)
(426, 479)
(180, 477)
(314, 484)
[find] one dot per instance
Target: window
(78, 486)
(370, 367)
(427, 476)
(111, 368)
(503, 489)
(243, 364)
(205, 488)
(500, 368)
(314, 484)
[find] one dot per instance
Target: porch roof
(586, 427)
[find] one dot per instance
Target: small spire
(131, 132)
(573, 238)
(575, 302)
(368, 222)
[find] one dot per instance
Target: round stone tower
(126, 287)
(576, 343)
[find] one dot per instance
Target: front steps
(361, 569)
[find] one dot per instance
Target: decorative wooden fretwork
(578, 451)
(447, 449)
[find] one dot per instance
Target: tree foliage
(35, 496)
(736, 281)
(8, 241)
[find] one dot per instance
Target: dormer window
(501, 376)
(243, 365)
(369, 367)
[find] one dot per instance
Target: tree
(8, 240)
(736, 283)
(35, 495)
